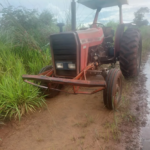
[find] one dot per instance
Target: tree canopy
(26, 28)
(140, 15)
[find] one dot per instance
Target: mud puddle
(145, 131)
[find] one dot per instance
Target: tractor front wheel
(130, 52)
(49, 92)
(113, 91)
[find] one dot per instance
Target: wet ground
(145, 131)
(81, 122)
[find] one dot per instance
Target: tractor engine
(73, 51)
(101, 52)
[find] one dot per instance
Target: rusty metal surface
(90, 66)
(76, 91)
(78, 81)
(47, 73)
(66, 81)
(40, 86)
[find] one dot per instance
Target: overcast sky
(60, 9)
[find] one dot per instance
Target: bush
(145, 31)
(18, 97)
(26, 28)
(112, 24)
(33, 60)
(23, 50)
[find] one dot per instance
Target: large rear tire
(130, 53)
(113, 91)
(48, 92)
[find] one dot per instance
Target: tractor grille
(64, 50)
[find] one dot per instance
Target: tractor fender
(119, 34)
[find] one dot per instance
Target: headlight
(59, 65)
(71, 66)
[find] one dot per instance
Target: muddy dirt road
(81, 122)
(145, 131)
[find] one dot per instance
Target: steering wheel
(99, 24)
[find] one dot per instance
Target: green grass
(33, 60)
(23, 50)
(145, 31)
(17, 97)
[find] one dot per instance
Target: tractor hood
(95, 4)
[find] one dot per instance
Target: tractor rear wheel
(48, 92)
(130, 53)
(113, 91)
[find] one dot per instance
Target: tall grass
(23, 50)
(33, 60)
(18, 97)
(145, 31)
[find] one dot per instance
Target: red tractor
(78, 54)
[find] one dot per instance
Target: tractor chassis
(79, 81)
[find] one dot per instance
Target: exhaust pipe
(73, 15)
(60, 25)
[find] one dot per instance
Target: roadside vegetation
(145, 31)
(24, 49)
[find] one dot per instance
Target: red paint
(83, 83)
(87, 39)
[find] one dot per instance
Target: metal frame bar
(73, 15)
(81, 75)
(76, 82)
(96, 18)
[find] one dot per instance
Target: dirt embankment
(81, 122)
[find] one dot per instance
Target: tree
(26, 28)
(139, 16)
